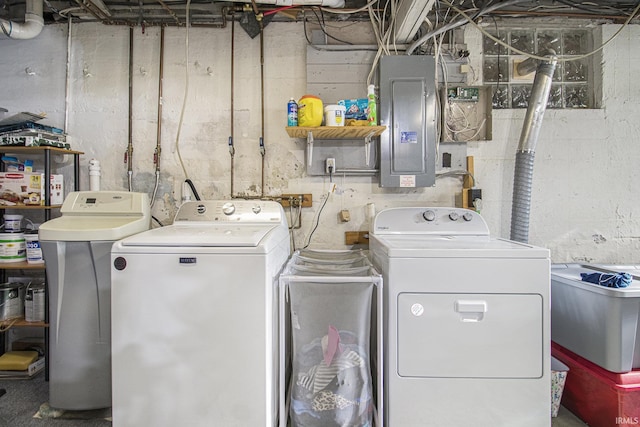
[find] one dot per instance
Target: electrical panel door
(408, 109)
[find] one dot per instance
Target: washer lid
(98, 215)
(203, 235)
(420, 246)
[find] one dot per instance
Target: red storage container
(599, 397)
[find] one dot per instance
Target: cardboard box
(27, 189)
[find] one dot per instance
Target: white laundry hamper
(330, 342)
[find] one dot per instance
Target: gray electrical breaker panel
(407, 102)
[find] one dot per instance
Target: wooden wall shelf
(335, 132)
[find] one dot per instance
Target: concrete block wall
(585, 177)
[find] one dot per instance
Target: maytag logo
(188, 260)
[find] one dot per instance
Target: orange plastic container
(310, 111)
(599, 397)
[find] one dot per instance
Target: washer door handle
(471, 310)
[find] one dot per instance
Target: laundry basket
(325, 257)
(331, 342)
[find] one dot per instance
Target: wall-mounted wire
(317, 220)
(460, 172)
(542, 58)
(193, 188)
(186, 90)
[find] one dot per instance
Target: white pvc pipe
(33, 22)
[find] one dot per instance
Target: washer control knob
(201, 209)
(429, 215)
(467, 216)
(228, 208)
(453, 216)
(256, 209)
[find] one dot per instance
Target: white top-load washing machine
(195, 321)
(466, 322)
(77, 250)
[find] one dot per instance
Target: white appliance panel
(172, 373)
(465, 335)
(202, 235)
(443, 274)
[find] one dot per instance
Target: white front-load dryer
(467, 323)
(194, 323)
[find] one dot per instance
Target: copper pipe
(262, 148)
(559, 15)
(160, 84)
(157, 155)
(168, 9)
(129, 154)
(231, 148)
(93, 9)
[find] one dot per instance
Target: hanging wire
(317, 221)
(186, 91)
(542, 58)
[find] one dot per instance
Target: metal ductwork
(32, 26)
(525, 155)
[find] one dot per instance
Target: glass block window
(572, 81)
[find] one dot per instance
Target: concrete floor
(24, 397)
(566, 419)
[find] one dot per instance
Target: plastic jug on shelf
(310, 111)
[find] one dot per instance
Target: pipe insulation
(525, 154)
(32, 26)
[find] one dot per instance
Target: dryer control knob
(429, 215)
(453, 216)
(256, 209)
(228, 208)
(468, 216)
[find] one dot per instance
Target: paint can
(12, 223)
(11, 300)
(34, 302)
(34, 252)
(12, 247)
(334, 115)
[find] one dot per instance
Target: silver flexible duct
(525, 155)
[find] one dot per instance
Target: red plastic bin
(598, 397)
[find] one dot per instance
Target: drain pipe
(525, 155)
(33, 23)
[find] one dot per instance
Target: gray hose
(521, 205)
(523, 173)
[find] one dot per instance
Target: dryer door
(460, 335)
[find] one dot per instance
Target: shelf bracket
(367, 146)
(309, 147)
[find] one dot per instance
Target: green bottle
(372, 114)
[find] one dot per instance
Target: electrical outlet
(330, 165)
